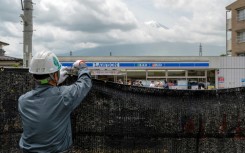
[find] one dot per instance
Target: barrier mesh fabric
(122, 118)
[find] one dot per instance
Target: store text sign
(221, 81)
(104, 64)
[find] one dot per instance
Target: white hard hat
(44, 62)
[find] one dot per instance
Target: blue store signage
(142, 64)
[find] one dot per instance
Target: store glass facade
(179, 75)
(191, 77)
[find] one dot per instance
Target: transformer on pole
(27, 8)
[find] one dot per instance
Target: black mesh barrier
(121, 118)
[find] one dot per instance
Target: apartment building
(235, 44)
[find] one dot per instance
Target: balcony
(229, 25)
(229, 45)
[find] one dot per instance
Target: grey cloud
(5, 31)
(10, 18)
(93, 25)
(74, 37)
(10, 10)
(46, 39)
(107, 24)
(87, 16)
(2, 31)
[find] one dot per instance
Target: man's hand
(79, 64)
(63, 75)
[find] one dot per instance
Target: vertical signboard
(221, 81)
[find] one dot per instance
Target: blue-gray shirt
(45, 113)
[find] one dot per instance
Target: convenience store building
(214, 72)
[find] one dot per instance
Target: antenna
(200, 50)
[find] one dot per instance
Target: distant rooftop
(3, 43)
(1, 47)
(8, 58)
(2, 53)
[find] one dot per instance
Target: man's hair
(41, 76)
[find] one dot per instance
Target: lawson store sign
(143, 64)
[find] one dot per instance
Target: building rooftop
(2, 54)
(235, 5)
(3, 43)
(8, 58)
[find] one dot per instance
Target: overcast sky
(123, 27)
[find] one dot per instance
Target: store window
(136, 75)
(121, 77)
(211, 77)
(106, 78)
(241, 15)
(193, 83)
(240, 37)
(156, 73)
(176, 73)
(158, 76)
(196, 72)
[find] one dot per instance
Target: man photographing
(45, 111)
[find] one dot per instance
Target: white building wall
(232, 77)
(232, 69)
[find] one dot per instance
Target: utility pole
(200, 50)
(27, 8)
